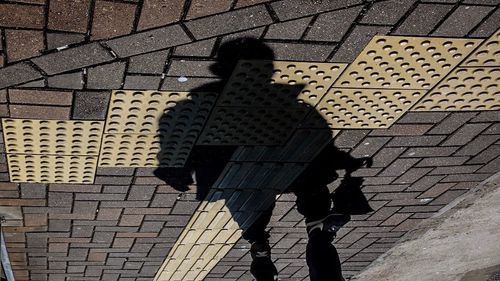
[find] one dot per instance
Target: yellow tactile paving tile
(153, 128)
(251, 126)
(51, 168)
(488, 54)
(344, 108)
(260, 83)
(136, 150)
(141, 112)
(129, 150)
(400, 62)
(264, 101)
(466, 88)
(52, 137)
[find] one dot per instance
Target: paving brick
(113, 180)
(57, 39)
(442, 161)
(156, 13)
(332, 26)
(447, 197)
(112, 214)
(22, 44)
(151, 63)
(33, 191)
(39, 112)
(82, 231)
(58, 199)
(35, 219)
(412, 175)
(141, 192)
(107, 76)
(436, 190)
(416, 24)
(290, 9)
(148, 41)
(494, 129)
(229, 22)
(467, 177)
(69, 16)
(73, 80)
(465, 134)
(356, 41)
(201, 48)
(491, 167)
(112, 19)
(289, 30)
(301, 51)
(396, 219)
(455, 25)
(200, 8)
(191, 68)
(115, 171)
(17, 74)
(486, 155)
(408, 225)
(487, 116)
(455, 170)
(85, 207)
(140, 82)
(59, 225)
(184, 208)
(422, 117)
(369, 146)
(40, 97)
(387, 12)
(416, 141)
(40, 83)
(19, 16)
(116, 189)
(489, 26)
(73, 58)
(477, 145)
(123, 242)
(192, 83)
(99, 197)
(402, 130)
(430, 151)
(452, 123)
(75, 188)
(58, 247)
(164, 200)
(90, 105)
(385, 188)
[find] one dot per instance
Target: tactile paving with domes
(153, 128)
(488, 54)
(279, 83)
(251, 126)
(397, 62)
(58, 137)
(364, 108)
(51, 168)
(52, 151)
(264, 101)
(466, 88)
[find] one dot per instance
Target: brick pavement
(122, 227)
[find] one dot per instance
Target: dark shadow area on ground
(206, 162)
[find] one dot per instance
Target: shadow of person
(252, 109)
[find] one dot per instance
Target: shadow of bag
(349, 199)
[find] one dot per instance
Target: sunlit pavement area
(413, 84)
